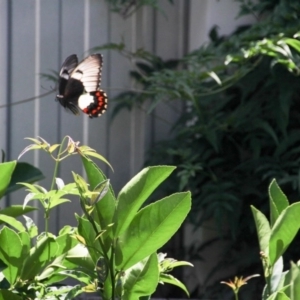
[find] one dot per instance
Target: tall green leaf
(6, 171)
(136, 192)
(284, 231)
(278, 201)
(262, 228)
(105, 208)
(151, 228)
(141, 279)
(11, 250)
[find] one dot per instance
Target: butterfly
(78, 86)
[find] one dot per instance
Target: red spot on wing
(98, 106)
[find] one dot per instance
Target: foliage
(127, 7)
(13, 172)
(113, 251)
(275, 236)
(240, 126)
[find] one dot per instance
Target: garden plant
(113, 250)
(238, 130)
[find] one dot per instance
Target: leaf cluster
(240, 124)
(128, 7)
(112, 251)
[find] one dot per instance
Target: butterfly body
(78, 86)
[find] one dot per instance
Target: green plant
(275, 236)
(113, 251)
(10, 173)
(240, 123)
(128, 7)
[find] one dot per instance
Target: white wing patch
(89, 72)
(85, 100)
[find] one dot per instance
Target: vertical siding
(43, 34)
(4, 21)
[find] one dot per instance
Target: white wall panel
(43, 34)
(3, 74)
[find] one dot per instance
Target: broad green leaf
(6, 171)
(168, 278)
(50, 273)
(25, 239)
(278, 296)
(11, 249)
(262, 228)
(284, 231)
(24, 172)
(42, 253)
(293, 43)
(278, 201)
(99, 156)
(16, 210)
(151, 228)
(6, 294)
(141, 279)
(136, 192)
(86, 230)
(12, 222)
(78, 275)
(65, 243)
(103, 214)
(57, 201)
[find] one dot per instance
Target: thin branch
(28, 99)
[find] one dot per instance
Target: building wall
(36, 36)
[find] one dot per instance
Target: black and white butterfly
(78, 86)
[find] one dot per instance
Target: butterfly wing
(68, 66)
(79, 85)
(89, 72)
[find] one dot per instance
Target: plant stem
(236, 297)
(57, 161)
(112, 267)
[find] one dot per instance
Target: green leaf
(141, 279)
(168, 278)
(12, 222)
(16, 210)
(278, 201)
(278, 296)
(86, 230)
(6, 294)
(41, 254)
(78, 275)
(284, 231)
(6, 171)
(11, 250)
(57, 201)
(151, 228)
(136, 192)
(293, 43)
(262, 228)
(105, 208)
(24, 172)
(65, 243)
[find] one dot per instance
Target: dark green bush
(241, 123)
